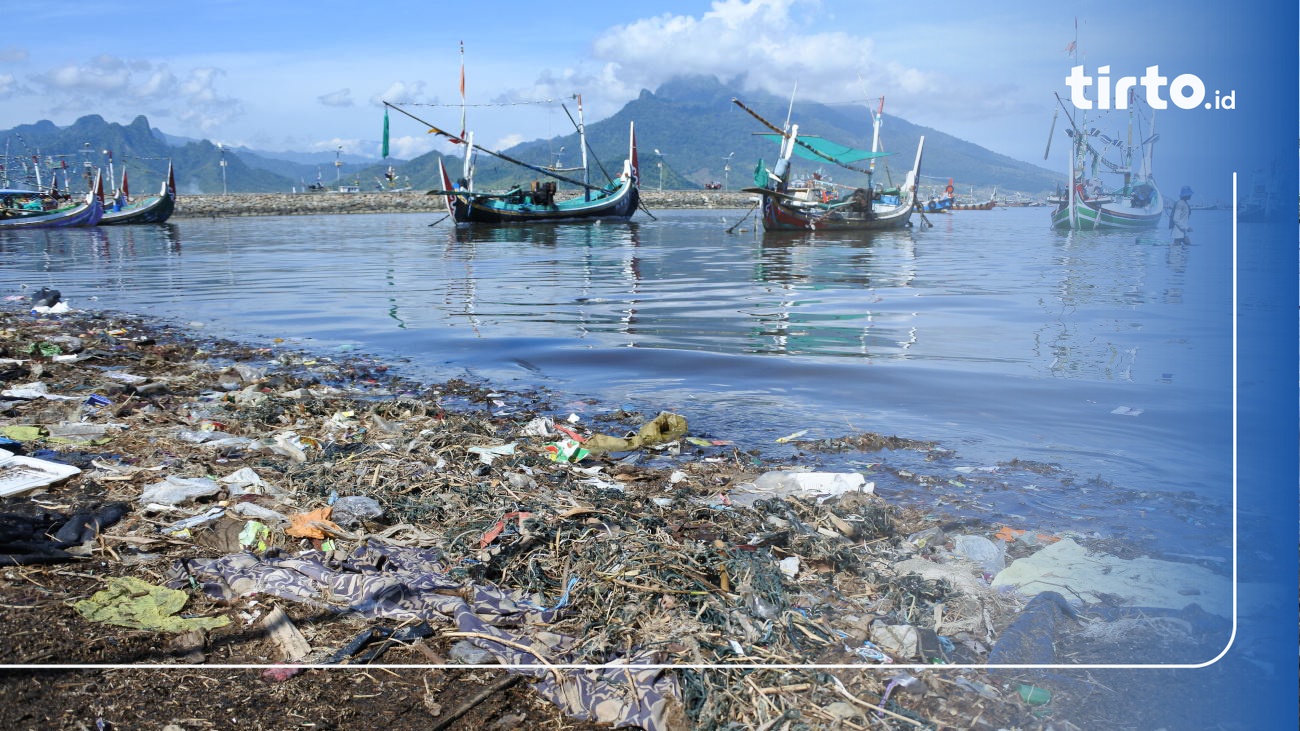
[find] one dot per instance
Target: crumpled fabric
(379, 580)
(132, 602)
(31, 534)
(664, 428)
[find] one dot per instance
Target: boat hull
(779, 215)
(1107, 214)
(154, 209)
(86, 214)
(619, 203)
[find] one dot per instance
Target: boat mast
(110, 170)
(466, 138)
(1128, 147)
(582, 143)
(875, 140)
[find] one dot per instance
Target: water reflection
(1107, 285)
(995, 334)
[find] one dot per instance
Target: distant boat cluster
(48, 207)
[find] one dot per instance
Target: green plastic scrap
(254, 535)
(1035, 696)
(131, 602)
(20, 433)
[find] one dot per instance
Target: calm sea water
(1107, 355)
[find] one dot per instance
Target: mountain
(85, 144)
(703, 137)
(700, 136)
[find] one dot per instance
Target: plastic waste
(664, 428)
(201, 519)
(789, 566)
(541, 426)
(46, 297)
(990, 556)
(246, 481)
(470, 654)
(900, 639)
(259, 513)
(931, 536)
(312, 524)
(254, 535)
(76, 432)
(1034, 695)
(179, 490)
(817, 485)
(566, 450)
(34, 391)
(290, 445)
(488, 454)
(871, 652)
(355, 509)
(20, 474)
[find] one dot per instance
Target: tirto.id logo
(1186, 91)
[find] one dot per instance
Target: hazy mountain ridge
(700, 134)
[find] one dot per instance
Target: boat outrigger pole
(805, 145)
(457, 139)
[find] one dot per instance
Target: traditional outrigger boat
(987, 205)
(541, 201)
(152, 209)
(1087, 204)
(813, 207)
(15, 213)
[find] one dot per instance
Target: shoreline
(330, 202)
(674, 554)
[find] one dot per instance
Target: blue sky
(304, 76)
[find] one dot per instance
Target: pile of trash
(301, 511)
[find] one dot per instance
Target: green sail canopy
(842, 153)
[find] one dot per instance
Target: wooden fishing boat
(810, 206)
(539, 201)
(151, 209)
(1088, 203)
(15, 213)
(937, 204)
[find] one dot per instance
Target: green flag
(760, 174)
(385, 150)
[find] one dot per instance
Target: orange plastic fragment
(1008, 534)
(303, 525)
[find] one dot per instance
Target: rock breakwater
(306, 204)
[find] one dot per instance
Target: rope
(495, 104)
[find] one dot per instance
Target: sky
(311, 76)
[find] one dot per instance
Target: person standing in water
(1180, 217)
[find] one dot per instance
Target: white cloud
(8, 85)
(340, 98)
(133, 86)
(351, 146)
(403, 93)
(737, 37)
(98, 78)
(409, 147)
(505, 143)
